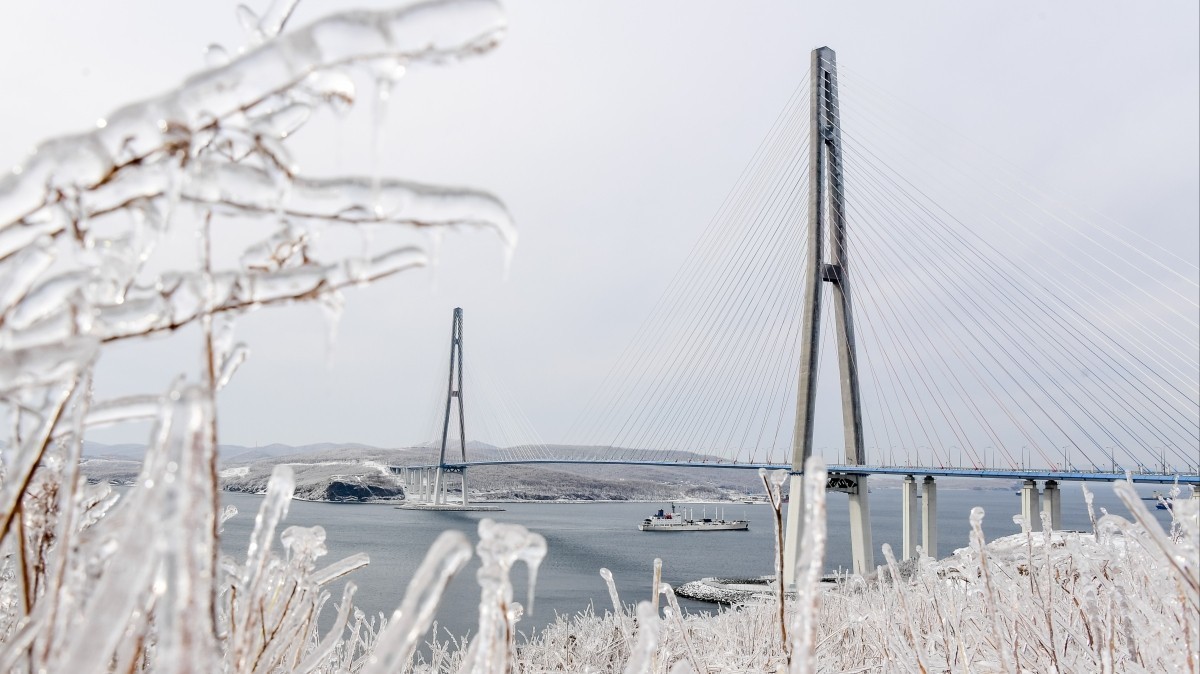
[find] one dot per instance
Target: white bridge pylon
(827, 222)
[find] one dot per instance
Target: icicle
(319, 655)
(1088, 498)
(123, 409)
(655, 583)
(642, 658)
(215, 56)
(273, 509)
(227, 513)
(336, 570)
(507, 251)
(252, 585)
(397, 641)
(803, 642)
(184, 619)
(231, 363)
(500, 547)
(332, 306)
(283, 122)
(618, 608)
(388, 71)
(333, 86)
(21, 271)
(275, 16)
(249, 22)
(677, 618)
(435, 254)
(304, 545)
(46, 297)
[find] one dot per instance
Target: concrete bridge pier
(929, 542)
(1052, 504)
(862, 551)
(928, 517)
(908, 508)
(1031, 505)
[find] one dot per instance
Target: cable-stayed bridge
(966, 324)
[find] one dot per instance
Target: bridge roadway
(996, 473)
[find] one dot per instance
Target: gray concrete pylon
(908, 508)
(929, 541)
(826, 220)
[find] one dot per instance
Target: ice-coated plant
(1124, 598)
(91, 582)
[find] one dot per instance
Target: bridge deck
(994, 473)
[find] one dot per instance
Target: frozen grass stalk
(802, 649)
(773, 484)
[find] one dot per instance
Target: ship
(687, 521)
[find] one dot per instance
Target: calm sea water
(583, 538)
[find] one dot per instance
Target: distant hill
(352, 471)
(126, 451)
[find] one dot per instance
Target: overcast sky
(612, 130)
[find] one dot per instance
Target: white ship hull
(736, 525)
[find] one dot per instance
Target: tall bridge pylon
(827, 224)
(454, 391)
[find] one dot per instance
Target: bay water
(583, 537)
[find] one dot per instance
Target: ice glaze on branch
(349, 200)
(179, 300)
(425, 32)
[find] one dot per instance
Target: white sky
(612, 130)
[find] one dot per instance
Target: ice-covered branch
(350, 200)
(424, 32)
(180, 299)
